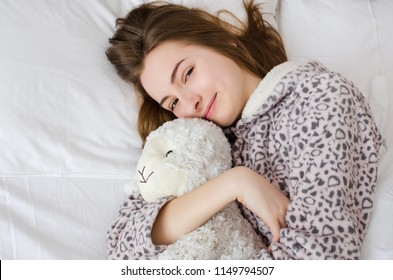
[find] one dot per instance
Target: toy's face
(157, 175)
(179, 156)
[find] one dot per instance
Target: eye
(168, 153)
(172, 106)
(188, 74)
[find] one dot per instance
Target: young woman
(304, 143)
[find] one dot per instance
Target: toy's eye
(169, 152)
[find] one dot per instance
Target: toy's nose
(144, 176)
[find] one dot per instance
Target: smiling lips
(210, 107)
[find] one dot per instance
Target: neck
(252, 83)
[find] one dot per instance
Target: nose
(192, 105)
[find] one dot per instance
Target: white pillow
(268, 8)
(63, 109)
(342, 36)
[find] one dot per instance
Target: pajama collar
(266, 87)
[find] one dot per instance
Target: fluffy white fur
(182, 155)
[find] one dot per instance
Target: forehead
(167, 50)
(160, 62)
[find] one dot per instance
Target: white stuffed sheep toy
(181, 155)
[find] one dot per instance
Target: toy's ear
(156, 174)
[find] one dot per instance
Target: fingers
(275, 230)
(282, 221)
(275, 227)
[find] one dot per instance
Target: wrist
(236, 182)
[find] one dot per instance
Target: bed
(68, 124)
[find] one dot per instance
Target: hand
(262, 198)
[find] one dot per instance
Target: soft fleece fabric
(311, 133)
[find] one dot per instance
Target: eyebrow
(163, 100)
(175, 70)
(173, 76)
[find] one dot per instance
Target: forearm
(186, 213)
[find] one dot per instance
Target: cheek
(233, 109)
(204, 80)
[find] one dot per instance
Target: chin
(223, 123)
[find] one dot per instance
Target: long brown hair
(255, 46)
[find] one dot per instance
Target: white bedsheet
(68, 124)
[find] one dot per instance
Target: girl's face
(195, 81)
